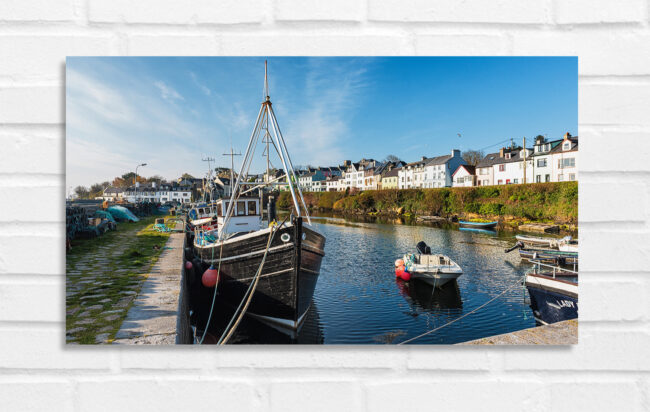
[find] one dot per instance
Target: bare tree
(473, 157)
(392, 158)
(81, 192)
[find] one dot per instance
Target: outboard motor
(423, 249)
(518, 245)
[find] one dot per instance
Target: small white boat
(565, 244)
(434, 269)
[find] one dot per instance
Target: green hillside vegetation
(535, 202)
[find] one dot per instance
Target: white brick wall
(608, 370)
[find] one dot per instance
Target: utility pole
(232, 155)
(209, 185)
(524, 159)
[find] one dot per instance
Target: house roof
(470, 169)
(438, 160)
(393, 172)
(495, 158)
(574, 146)
(112, 189)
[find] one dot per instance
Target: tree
(392, 158)
(81, 192)
(187, 176)
(473, 157)
(155, 179)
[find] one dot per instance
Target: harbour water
(358, 300)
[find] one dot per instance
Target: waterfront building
(165, 192)
(508, 168)
(332, 183)
(112, 194)
(411, 175)
(438, 170)
(464, 176)
(542, 159)
(565, 159)
(310, 181)
(390, 179)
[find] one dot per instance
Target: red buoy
(188, 265)
(210, 277)
(406, 276)
(399, 270)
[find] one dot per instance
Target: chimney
(347, 163)
(423, 158)
(455, 153)
(501, 151)
(567, 135)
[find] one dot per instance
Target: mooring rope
(465, 315)
(248, 296)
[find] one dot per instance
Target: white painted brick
(599, 11)
(460, 44)
(309, 357)
(616, 206)
(32, 104)
(319, 396)
(172, 12)
(166, 358)
(472, 11)
(17, 255)
(32, 151)
(451, 358)
(602, 52)
(609, 299)
(425, 395)
(39, 57)
(26, 204)
(332, 45)
(614, 103)
(166, 395)
(171, 45)
(618, 157)
(45, 349)
(624, 251)
(32, 302)
(599, 349)
(37, 10)
(36, 396)
(336, 10)
(595, 396)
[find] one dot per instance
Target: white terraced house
(438, 170)
(464, 176)
(565, 159)
(411, 175)
(164, 193)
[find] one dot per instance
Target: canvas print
(321, 200)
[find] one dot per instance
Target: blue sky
(171, 112)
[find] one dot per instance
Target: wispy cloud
(204, 89)
(167, 92)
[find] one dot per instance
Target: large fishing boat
(552, 299)
(273, 266)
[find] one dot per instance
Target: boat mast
(265, 116)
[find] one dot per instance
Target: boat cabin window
(252, 207)
(241, 208)
(200, 211)
(219, 210)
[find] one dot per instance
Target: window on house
(547, 178)
(564, 163)
(560, 178)
(538, 178)
(500, 182)
(502, 168)
(515, 181)
(541, 162)
(252, 207)
(572, 176)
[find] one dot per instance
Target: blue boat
(478, 225)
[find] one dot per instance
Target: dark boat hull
(552, 300)
(288, 278)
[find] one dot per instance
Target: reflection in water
(358, 301)
(426, 297)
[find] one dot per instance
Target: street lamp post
(135, 181)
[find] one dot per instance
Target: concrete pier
(561, 333)
(153, 318)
